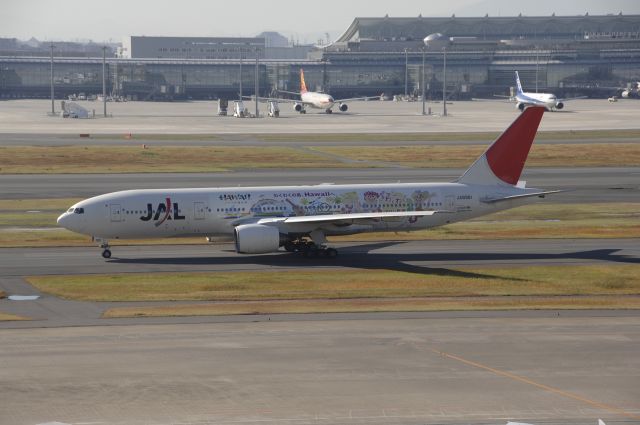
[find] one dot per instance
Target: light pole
(256, 84)
(444, 82)
(53, 109)
(406, 74)
(537, 64)
(240, 98)
(104, 80)
(437, 40)
(324, 75)
(424, 112)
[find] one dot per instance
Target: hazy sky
(306, 21)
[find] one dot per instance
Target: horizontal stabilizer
(524, 195)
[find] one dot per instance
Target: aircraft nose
(63, 220)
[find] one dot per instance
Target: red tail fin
(303, 86)
(507, 155)
(504, 160)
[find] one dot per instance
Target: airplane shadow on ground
(361, 257)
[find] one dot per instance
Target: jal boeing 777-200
(298, 218)
(314, 99)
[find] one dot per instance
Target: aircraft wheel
(330, 252)
(329, 111)
(290, 247)
(311, 252)
(106, 253)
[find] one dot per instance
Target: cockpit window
(70, 210)
(78, 211)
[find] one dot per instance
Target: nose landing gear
(104, 244)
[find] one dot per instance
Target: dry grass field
(346, 284)
(378, 305)
(158, 159)
(556, 155)
(333, 290)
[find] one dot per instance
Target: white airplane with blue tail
(547, 100)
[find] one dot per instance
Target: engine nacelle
(521, 106)
(343, 107)
(256, 239)
(297, 107)
(559, 105)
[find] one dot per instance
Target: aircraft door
(199, 210)
(116, 212)
(450, 203)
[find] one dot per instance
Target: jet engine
(343, 107)
(521, 106)
(257, 239)
(559, 105)
(297, 107)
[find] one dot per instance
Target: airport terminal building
(570, 55)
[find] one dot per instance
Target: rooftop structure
(139, 47)
(494, 27)
(268, 45)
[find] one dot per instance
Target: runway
(538, 368)
(16, 262)
(589, 184)
(199, 117)
(414, 257)
(257, 140)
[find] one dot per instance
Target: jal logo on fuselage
(163, 212)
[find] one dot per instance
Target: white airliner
(547, 100)
(298, 218)
(315, 99)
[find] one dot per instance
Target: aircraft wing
(356, 98)
(572, 98)
(262, 99)
(349, 218)
(309, 222)
(524, 195)
(276, 99)
(501, 99)
(289, 92)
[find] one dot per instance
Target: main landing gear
(309, 249)
(314, 248)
